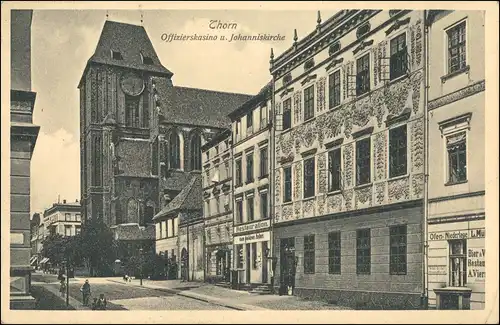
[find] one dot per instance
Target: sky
(63, 40)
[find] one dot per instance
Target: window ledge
(455, 73)
(401, 77)
(263, 176)
(334, 108)
(455, 183)
(395, 178)
(362, 186)
(308, 198)
(334, 192)
(367, 93)
(287, 203)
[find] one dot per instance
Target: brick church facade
(140, 136)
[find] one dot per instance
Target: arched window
(132, 213)
(195, 152)
(174, 151)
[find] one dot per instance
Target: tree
(54, 248)
(98, 247)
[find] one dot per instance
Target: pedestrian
(101, 303)
(62, 288)
(85, 289)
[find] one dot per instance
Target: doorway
(247, 263)
(264, 262)
(287, 265)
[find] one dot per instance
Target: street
(127, 296)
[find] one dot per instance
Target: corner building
(349, 160)
(456, 221)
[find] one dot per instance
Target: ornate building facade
(141, 136)
(349, 160)
(456, 153)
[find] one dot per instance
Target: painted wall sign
(459, 234)
(252, 238)
(476, 271)
(252, 226)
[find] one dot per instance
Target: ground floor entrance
(251, 260)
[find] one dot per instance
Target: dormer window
(146, 59)
(115, 55)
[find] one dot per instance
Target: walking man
(85, 289)
(62, 288)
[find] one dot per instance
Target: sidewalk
(235, 299)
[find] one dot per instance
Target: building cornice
(457, 95)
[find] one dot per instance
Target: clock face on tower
(132, 84)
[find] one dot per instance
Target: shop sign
(459, 234)
(253, 226)
(476, 271)
(252, 238)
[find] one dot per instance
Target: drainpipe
(425, 293)
(272, 156)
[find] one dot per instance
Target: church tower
(118, 119)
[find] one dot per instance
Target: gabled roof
(263, 95)
(188, 199)
(131, 41)
(202, 107)
(132, 231)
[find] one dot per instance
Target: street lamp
(140, 254)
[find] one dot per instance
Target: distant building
(251, 217)
(456, 113)
(349, 177)
(141, 136)
(63, 219)
(23, 136)
(217, 177)
(37, 236)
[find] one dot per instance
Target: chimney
(76, 201)
(64, 201)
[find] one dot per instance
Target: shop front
(251, 243)
(457, 269)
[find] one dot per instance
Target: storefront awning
(33, 259)
(45, 260)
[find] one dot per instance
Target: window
(309, 256)
(170, 225)
(334, 89)
(457, 157)
(146, 59)
(334, 170)
(398, 60)
(207, 208)
(287, 176)
(249, 122)
(287, 114)
(309, 102)
(363, 155)
(176, 225)
(196, 152)
(163, 229)
(363, 251)
(397, 151)
(132, 111)
(363, 75)
(254, 255)
(456, 48)
(334, 246)
(238, 173)
(263, 162)
(115, 55)
(154, 156)
(239, 212)
(174, 150)
(97, 154)
(78, 217)
(263, 205)
(67, 216)
(226, 167)
(250, 209)
(458, 266)
(250, 167)
(78, 230)
(263, 117)
(309, 177)
(67, 230)
(239, 259)
(398, 250)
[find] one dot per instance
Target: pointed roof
(132, 41)
(206, 107)
(188, 199)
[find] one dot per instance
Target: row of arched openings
(175, 152)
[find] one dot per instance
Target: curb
(73, 303)
(200, 297)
